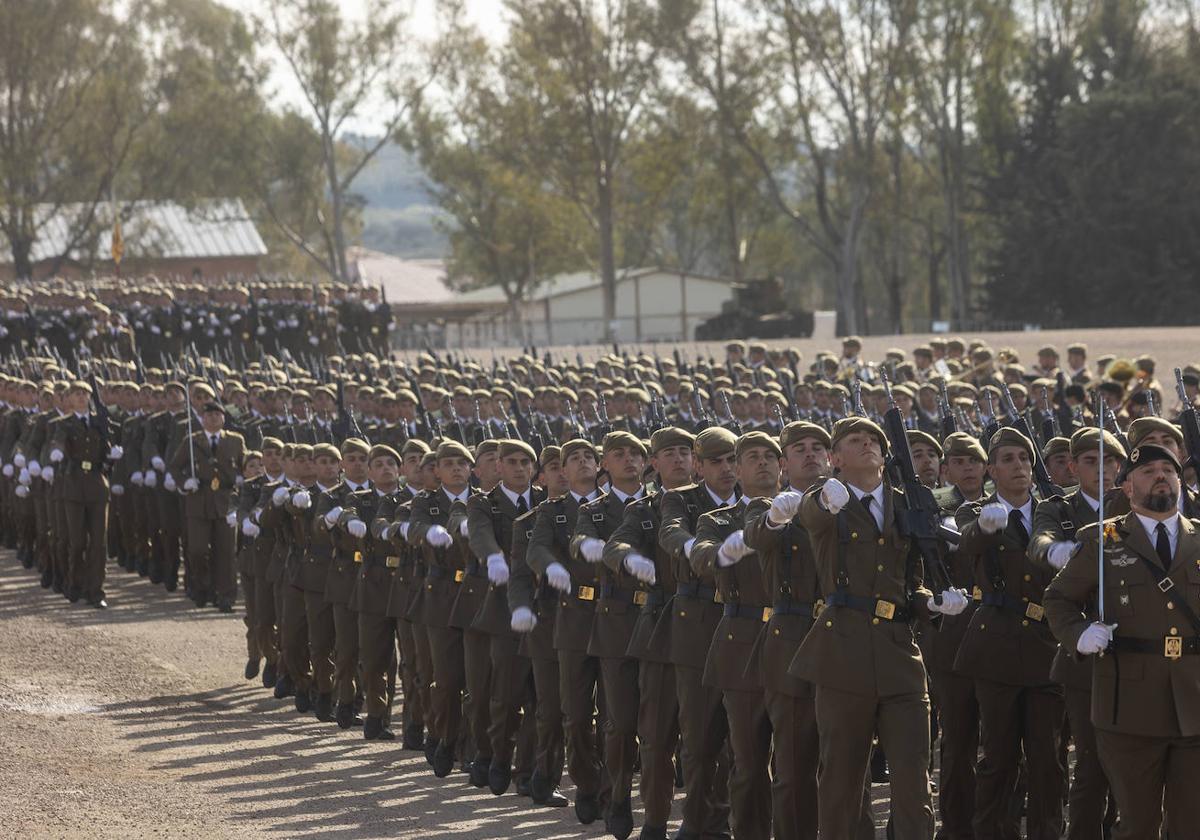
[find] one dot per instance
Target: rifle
(856, 392)
(1100, 507)
(1050, 427)
(1189, 421)
(102, 416)
(481, 432)
(510, 427)
(1062, 410)
(920, 519)
(948, 422)
(187, 394)
(733, 421)
(1041, 476)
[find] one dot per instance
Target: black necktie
(522, 506)
(1163, 546)
(865, 501)
(214, 442)
(1018, 524)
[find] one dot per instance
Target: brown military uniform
(84, 496)
(1146, 690)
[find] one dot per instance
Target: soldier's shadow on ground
(315, 778)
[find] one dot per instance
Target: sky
(487, 15)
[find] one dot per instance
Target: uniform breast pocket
(1124, 598)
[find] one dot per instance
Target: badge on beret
(1134, 455)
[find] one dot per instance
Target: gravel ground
(136, 723)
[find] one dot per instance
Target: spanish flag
(118, 244)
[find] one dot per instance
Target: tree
(583, 71)
(75, 92)
(345, 70)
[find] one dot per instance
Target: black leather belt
(1171, 647)
(748, 611)
(698, 590)
(875, 607)
(790, 607)
(1028, 609)
(640, 597)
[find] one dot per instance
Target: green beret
(754, 440)
(963, 444)
(715, 442)
(856, 425)
(1057, 446)
(454, 449)
(272, 443)
(511, 446)
(549, 454)
(579, 444)
(302, 450)
(485, 446)
(1143, 426)
(327, 450)
(797, 430)
(1008, 436)
(917, 436)
(622, 439)
(414, 446)
(1088, 440)
(382, 450)
(669, 436)
(352, 444)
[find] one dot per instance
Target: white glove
(115, 453)
(19, 460)
(48, 475)
(357, 528)
(640, 568)
(151, 479)
(157, 463)
(56, 455)
(8, 470)
(138, 479)
(35, 469)
(331, 518)
(438, 537)
(784, 507)
(118, 490)
(403, 529)
(687, 548)
(22, 490)
(462, 528)
(1060, 552)
(993, 518)
(250, 529)
(169, 483)
(302, 500)
(523, 620)
(23, 477)
(558, 577)
(733, 549)
(497, 569)
(231, 518)
(191, 485)
(954, 601)
(834, 495)
(279, 496)
(1095, 639)
(592, 549)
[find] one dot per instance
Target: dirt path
(136, 722)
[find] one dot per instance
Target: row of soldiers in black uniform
(531, 577)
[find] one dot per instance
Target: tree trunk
(335, 198)
(22, 254)
(608, 259)
(849, 318)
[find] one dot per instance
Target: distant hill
(398, 217)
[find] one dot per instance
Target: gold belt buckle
(216, 484)
(587, 593)
(718, 598)
(885, 609)
(767, 613)
(459, 575)
(1034, 611)
(358, 557)
(393, 562)
(977, 594)
(1173, 647)
(87, 466)
(640, 597)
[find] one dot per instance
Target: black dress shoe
(224, 606)
(587, 809)
(414, 737)
(653, 832)
(47, 580)
(170, 584)
(156, 577)
(58, 585)
(524, 788)
(74, 594)
(374, 730)
(252, 668)
(620, 820)
(323, 707)
(27, 559)
(443, 760)
(479, 772)
(554, 799)
(270, 675)
(200, 599)
(304, 702)
(431, 745)
(99, 603)
(143, 567)
(346, 717)
(284, 687)
(499, 778)
(879, 768)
